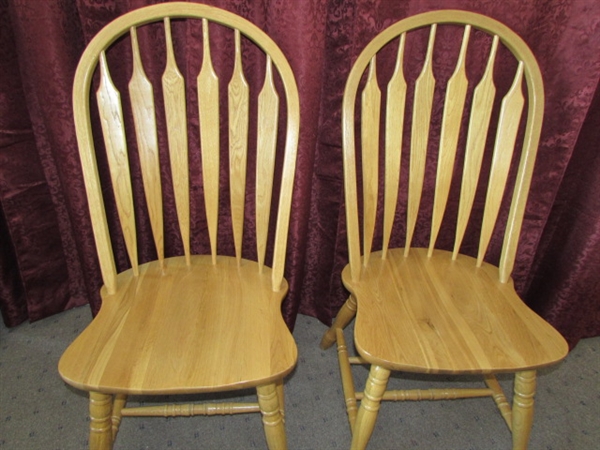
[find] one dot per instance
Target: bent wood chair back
(445, 161)
(446, 147)
(170, 158)
(151, 148)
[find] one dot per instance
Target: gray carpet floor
(38, 411)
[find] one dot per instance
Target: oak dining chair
(430, 281)
(197, 322)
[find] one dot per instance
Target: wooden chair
(192, 323)
(433, 310)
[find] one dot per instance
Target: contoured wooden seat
(193, 323)
(429, 308)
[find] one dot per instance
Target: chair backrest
(240, 122)
(458, 138)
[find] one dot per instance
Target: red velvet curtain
(47, 254)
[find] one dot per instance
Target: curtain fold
(568, 293)
(47, 254)
(34, 121)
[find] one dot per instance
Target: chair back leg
(344, 317)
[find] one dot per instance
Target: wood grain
(208, 107)
(367, 414)
(423, 103)
(176, 114)
(188, 348)
(238, 98)
(461, 315)
(461, 318)
(481, 112)
(394, 127)
(347, 381)
(506, 135)
(113, 129)
(100, 424)
(271, 416)
(268, 110)
(141, 94)
(370, 113)
(456, 94)
(185, 324)
(173, 109)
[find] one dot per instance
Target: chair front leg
(268, 400)
(522, 410)
(369, 407)
(101, 435)
(344, 317)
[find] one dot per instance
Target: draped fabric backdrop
(47, 254)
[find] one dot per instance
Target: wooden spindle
(506, 136)
(192, 409)
(208, 106)
(370, 113)
(113, 129)
(406, 395)
(238, 93)
(456, 93)
(175, 112)
(394, 126)
(479, 122)
(423, 102)
(144, 118)
(268, 109)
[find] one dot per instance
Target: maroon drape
(47, 255)
(565, 282)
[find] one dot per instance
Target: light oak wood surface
(394, 128)
(481, 111)
(454, 103)
(238, 92)
(183, 329)
(431, 310)
(142, 101)
(459, 318)
(188, 323)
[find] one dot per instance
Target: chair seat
(169, 331)
(447, 317)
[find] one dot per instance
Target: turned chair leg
(268, 400)
(345, 315)
(347, 380)
(118, 404)
(101, 434)
(369, 407)
(281, 399)
(522, 410)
